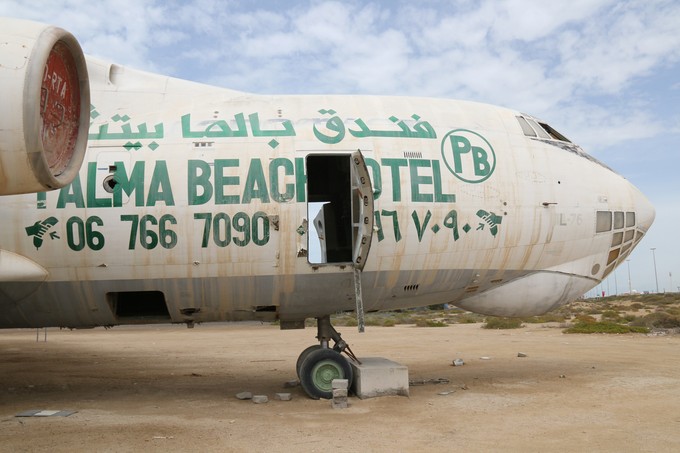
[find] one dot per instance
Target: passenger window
(604, 221)
(618, 220)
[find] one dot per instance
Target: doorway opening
(329, 208)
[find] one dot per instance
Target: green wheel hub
(319, 369)
(324, 372)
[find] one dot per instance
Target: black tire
(318, 371)
(303, 355)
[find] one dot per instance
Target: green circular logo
(468, 155)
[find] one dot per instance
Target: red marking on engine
(60, 108)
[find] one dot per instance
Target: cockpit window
(630, 219)
(539, 130)
(532, 128)
(604, 221)
(528, 131)
(554, 134)
(618, 220)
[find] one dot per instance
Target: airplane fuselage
(198, 204)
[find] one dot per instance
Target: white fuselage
(209, 215)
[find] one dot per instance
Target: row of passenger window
(607, 220)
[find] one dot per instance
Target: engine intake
(44, 107)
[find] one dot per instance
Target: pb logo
(468, 155)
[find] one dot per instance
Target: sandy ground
(169, 388)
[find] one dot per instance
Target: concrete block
(377, 376)
(260, 399)
(283, 396)
(244, 396)
(340, 403)
(339, 393)
(340, 383)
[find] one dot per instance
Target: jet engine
(44, 107)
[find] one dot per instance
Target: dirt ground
(170, 388)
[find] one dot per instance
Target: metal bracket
(359, 300)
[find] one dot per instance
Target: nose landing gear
(318, 365)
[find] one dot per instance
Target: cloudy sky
(605, 73)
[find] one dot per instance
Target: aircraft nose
(644, 210)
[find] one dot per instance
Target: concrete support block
(339, 393)
(377, 376)
(339, 404)
(340, 384)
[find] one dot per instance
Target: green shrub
(610, 315)
(585, 319)
(350, 321)
(423, 322)
(404, 318)
(494, 322)
(675, 311)
(373, 321)
(604, 327)
(549, 317)
(469, 318)
(389, 322)
(658, 320)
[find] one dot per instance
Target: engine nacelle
(44, 107)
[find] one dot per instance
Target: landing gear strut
(319, 364)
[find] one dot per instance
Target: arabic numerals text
(240, 229)
(386, 221)
(150, 232)
(451, 221)
(81, 234)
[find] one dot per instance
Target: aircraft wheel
(319, 369)
(303, 356)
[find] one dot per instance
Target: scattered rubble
(260, 399)
(291, 384)
(414, 382)
(283, 396)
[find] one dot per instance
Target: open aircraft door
(362, 210)
(340, 206)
